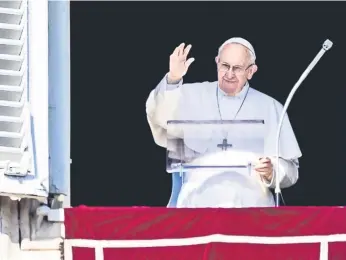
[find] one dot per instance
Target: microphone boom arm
(326, 46)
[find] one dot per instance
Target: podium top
(206, 129)
(213, 143)
(213, 122)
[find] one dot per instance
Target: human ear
(252, 71)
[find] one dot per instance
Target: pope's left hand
(264, 168)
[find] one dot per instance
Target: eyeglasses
(238, 70)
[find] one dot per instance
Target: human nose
(230, 72)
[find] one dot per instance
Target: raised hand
(178, 65)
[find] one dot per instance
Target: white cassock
(204, 101)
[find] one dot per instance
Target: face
(234, 68)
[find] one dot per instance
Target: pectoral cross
(224, 145)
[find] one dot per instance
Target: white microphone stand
(326, 46)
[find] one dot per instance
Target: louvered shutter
(15, 137)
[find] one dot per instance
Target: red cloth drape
(87, 226)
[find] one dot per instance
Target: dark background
(120, 51)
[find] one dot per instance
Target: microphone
(325, 47)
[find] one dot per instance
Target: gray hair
(236, 40)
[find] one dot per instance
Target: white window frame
(37, 183)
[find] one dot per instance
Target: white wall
(17, 222)
(22, 233)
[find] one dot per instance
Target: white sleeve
(161, 106)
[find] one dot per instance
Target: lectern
(202, 148)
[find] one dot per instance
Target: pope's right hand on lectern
(178, 63)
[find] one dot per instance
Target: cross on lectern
(224, 145)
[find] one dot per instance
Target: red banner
(201, 234)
